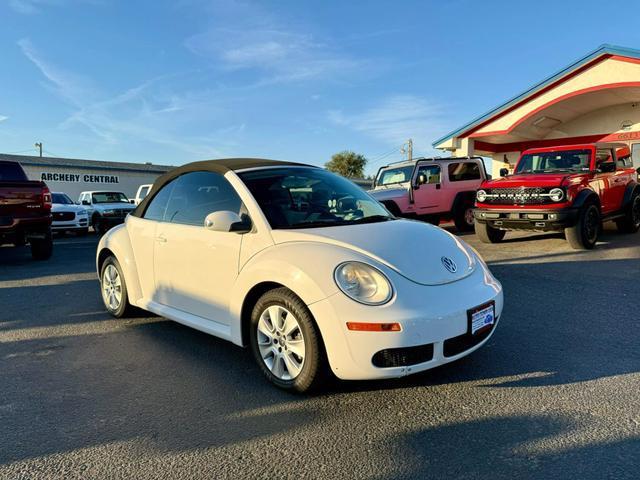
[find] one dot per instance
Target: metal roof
(32, 160)
(605, 49)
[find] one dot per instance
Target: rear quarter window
(459, 172)
(12, 172)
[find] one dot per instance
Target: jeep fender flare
(631, 190)
(463, 198)
(586, 195)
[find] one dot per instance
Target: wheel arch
(249, 302)
(392, 206)
(462, 198)
(116, 242)
(631, 190)
(585, 196)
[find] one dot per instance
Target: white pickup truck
(143, 191)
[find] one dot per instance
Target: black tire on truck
(42, 248)
(463, 217)
(392, 207)
(584, 234)
(630, 223)
(487, 234)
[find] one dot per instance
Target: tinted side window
(432, 172)
(158, 204)
(12, 172)
(459, 172)
(198, 194)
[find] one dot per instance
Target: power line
(21, 151)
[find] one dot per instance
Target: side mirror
(607, 167)
(226, 221)
(504, 172)
(421, 180)
(85, 202)
(638, 170)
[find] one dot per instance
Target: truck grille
(518, 195)
(63, 216)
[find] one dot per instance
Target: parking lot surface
(554, 394)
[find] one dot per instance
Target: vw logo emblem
(449, 264)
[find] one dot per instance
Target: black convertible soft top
(221, 166)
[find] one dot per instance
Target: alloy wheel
(111, 287)
(591, 224)
(468, 216)
(281, 342)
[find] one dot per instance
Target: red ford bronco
(431, 189)
(571, 188)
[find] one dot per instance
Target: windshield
(61, 198)
(300, 197)
(551, 162)
(109, 197)
(390, 175)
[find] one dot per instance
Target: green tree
(347, 163)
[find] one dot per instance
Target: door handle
(161, 239)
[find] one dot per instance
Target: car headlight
(556, 194)
(108, 212)
(363, 283)
(481, 195)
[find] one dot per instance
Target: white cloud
(31, 7)
(150, 112)
(261, 43)
(3, 118)
(395, 119)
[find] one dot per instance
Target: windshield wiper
(315, 223)
(372, 219)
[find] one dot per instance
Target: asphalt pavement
(554, 394)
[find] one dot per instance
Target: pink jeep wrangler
(431, 189)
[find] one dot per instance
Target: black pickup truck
(25, 211)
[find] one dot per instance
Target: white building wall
(73, 180)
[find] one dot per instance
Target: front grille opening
(403, 357)
(454, 346)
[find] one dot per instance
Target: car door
(142, 234)
(607, 180)
(426, 196)
(461, 177)
(194, 267)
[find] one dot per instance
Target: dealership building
(595, 99)
(73, 176)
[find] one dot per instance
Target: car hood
(66, 207)
(530, 180)
(416, 250)
(388, 193)
(114, 205)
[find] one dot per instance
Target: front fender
(631, 191)
(305, 268)
(118, 242)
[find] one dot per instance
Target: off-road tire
(630, 223)
(487, 234)
(42, 248)
(314, 368)
(463, 217)
(584, 234)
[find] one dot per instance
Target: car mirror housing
(504, 172)
(227, 221)
(85, 202)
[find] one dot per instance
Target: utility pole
(39, 146)
(409, 150)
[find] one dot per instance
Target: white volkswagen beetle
(302, 266)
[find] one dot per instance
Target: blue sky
(175, 81)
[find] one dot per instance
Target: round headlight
(363, 283)
(481, 196)
(556, 194)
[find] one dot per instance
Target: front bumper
(79, 223)
(433, 319)
(543, 220)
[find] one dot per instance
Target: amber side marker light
(373, 327)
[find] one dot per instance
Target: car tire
(42, 248)
(584, 234)
(463, 218)
(273, 344)
(393, 208)
(487, 234)
(112, 283)
(630, 223)
(98, 225)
